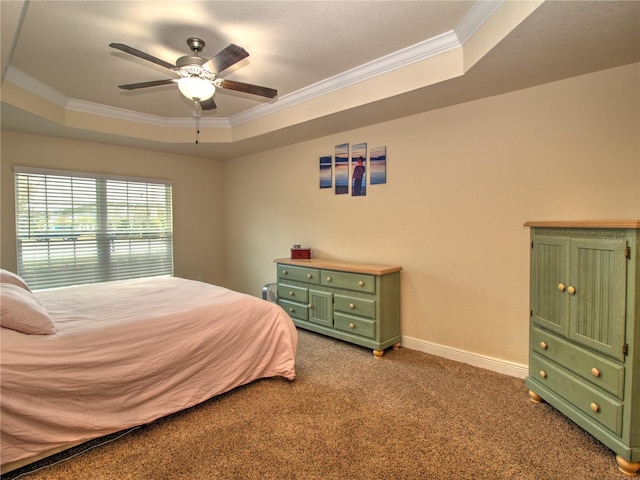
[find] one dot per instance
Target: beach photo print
(359, 170)
(325, 171)
(378, 166)
(342, 169)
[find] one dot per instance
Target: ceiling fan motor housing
(189, 60)
(192, 65)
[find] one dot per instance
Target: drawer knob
(571, 290)
(361, 283)
(351, 325)
(310, 306)
(543, 374)
(309, 275)
(562, 287)
(595, 372)
(543, 345)
(352, 306)
(291, 309)
(291, 293)
(284, 272)
(328, 279)
(594, 407)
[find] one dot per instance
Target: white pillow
(21, 311)
(9, 277)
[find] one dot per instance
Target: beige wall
(197, 193)
(461, 182)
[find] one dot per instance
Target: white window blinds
(75, 228)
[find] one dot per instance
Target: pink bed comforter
(129, 352)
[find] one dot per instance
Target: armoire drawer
(299, 274)
(363, 307)
(355, 325)
(590, 366)
(599, 406)
(350, 281)
(296, 310)
(293, 293)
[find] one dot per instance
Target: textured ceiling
(63, 46)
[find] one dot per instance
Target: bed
(104, 357)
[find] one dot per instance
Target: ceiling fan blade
(208, 104)
(248, 88)
(144, 56)
(154, 83)
(231, 55)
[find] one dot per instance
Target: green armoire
(584, 333)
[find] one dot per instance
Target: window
(74, 228)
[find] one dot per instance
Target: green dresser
(355, 302)
(584, 347)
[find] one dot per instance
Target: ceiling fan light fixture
(195, 88)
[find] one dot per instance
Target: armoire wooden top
(370, 268)
(586, 223)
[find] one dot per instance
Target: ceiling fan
(196, 82)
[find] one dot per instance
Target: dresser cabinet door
(598, 295)
(321, 308)
(549, 282)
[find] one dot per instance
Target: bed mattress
(126, 353)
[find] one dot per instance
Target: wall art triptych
(352, 173)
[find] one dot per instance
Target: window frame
(80, 227)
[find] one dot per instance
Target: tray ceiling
(336, 64)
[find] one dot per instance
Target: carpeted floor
(349, 416)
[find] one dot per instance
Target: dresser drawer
(295, 310)
(355, 325)
(299, 274)
(590, 366)
(596, 405)
(293, 293)
(363, 307)
(349, 281)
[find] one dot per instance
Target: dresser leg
(535, 398)
(380, 353)
(627, 467)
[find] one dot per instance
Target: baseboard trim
(489, 363)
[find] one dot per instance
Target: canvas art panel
(359, 170)
(378, 166)
(326, 171)
(342, 168)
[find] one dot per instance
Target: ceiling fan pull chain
(196, 114)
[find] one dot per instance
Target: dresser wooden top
(354, 267)
(586, 223)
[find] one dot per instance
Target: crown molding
(451, 40)
(415, 53)
(155, 120)
(30, 84)
(476, 17)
